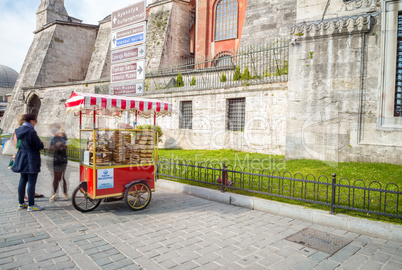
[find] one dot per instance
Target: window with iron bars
(236, 111)
(186, 115)
(398, 83)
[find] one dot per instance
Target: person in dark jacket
(58, 146)
(27, 161)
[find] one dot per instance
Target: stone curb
(352, 224)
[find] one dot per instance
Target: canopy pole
(94, 119)
(127, 118)
(155, 119)
(80, 119)
(136, 118)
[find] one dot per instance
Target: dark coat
(28, 155)
(58, 145)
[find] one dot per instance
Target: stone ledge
(357, 225)
(336, 26)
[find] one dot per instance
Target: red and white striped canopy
(114, 105)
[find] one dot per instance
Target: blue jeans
(31, 180)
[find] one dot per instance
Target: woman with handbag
(27, 161)
(16, 144)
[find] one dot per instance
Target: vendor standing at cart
(27, 161)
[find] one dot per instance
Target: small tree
(237, 74)
(192, 81)
(179, 81)
(223, 77)
(246, 74)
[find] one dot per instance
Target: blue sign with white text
(105, 178)
(130, 40)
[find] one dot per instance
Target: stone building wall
(265, 119)
(267, 20)
(168, 33)
(99, 66)
(157, 27)
(69, 53)
(334, 86)
(59, 53)
(51, 116)
(176, 47)
(28, 76)
(50, 11)
(308, 10)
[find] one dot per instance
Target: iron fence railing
(358, 195)
(372, 197)
(253, 64)
(73, 154)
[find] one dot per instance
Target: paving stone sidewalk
(176, 231)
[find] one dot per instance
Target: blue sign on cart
(105, 178)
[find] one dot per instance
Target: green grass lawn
(381, 172)
(373, 175)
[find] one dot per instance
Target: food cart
(115, 162)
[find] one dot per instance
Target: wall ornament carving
(355, 4)
(336, 26)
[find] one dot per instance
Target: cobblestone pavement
(175, 231)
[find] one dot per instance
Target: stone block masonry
(266, 20)
(333, 93)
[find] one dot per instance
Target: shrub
(192, 81)
(237, 74)
(223, 77)
(179, 81)
(246, 74)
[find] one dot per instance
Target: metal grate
(398, 83)
(318, 240)
(226, 20)
(186, 115)
(236, 108)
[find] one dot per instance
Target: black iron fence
(358, 195)
(368, 197)
(73, 154)
(251, 64)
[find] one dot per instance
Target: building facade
(305, 79)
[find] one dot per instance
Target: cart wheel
(82, 202)
(137, 196)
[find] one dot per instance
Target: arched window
(226, 20)
(224, 61)
(34, 105)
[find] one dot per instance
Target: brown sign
(127, 54)
(139, 28)
(128, 71)
(129, 15)
(133, 88)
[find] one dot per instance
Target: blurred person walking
(58, 146)
(27, 161)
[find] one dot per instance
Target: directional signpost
(127, 88)
(128, 54)
(128, 36)
(128, 71)
(132, 14)
(128, 40)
